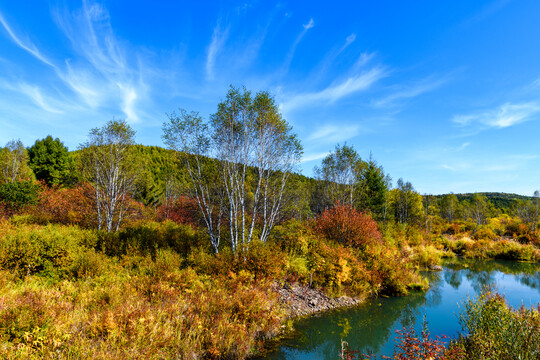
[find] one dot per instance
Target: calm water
(371, 326)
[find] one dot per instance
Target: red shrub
(182, 211)
(411, 346)
(346, 225)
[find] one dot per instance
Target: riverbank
(156, 290)
(302, 300)
(371, 326)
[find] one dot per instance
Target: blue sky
(445, 94)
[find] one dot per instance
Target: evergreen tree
(374, 188)
(51, 162)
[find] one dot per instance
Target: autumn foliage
(183, 210)
(346, 225)
(66, 206)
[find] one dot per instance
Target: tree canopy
(51, 162)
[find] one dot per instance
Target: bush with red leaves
(183, 210)
(346, 225)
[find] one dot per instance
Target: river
(371, 326)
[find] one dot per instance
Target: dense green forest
(119, 250)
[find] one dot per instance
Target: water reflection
(371, 326)
(530, 280)
(453, 277)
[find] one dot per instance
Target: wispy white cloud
(336, 91)
(522, 157)
(129, 97)
(506, 115)
(53, 104)
(408, 92)
(101, 70)
(219, 37)
(463, 146)
(309, 25)
(461, 166)
(84, 84)
(25, 44)
(362, 60)
(535, 83)
(329, 61)
(334, 133)
(103, 74)
(502, 164)
(348, 41)
(486, 12)
(290, 54)
(35, 93)
(314, 156)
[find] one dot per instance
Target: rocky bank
(303, 300)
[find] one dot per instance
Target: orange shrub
(515, 229)
(65, 206)
(453, 229)
(346, 225)
(75, 206)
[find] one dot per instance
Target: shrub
(391, 272)
(295, 236)
(18, 194)
(148, 237)
(263, 260)
(86, 263)
(529, 238)
(484, 233)
(453, 229)
(460, 246)
(427, 255)
(496, 331)
(65, 206)
(338, 268)
(346, 225)
(183, 210)
(297, 267)
(177, 314)
(415, 235)
(413, 346)
(515, 229)
(511, 250)
(49, 250)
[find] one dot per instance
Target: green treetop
(51, 162)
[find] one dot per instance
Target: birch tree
(189, 136)
(529, 211)
(429, 205)
(341, 173)
(406, 201)
(250, 133)
(449, 205)
(254, 151)
(14, 162)
(108, 165)
(478, 209)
